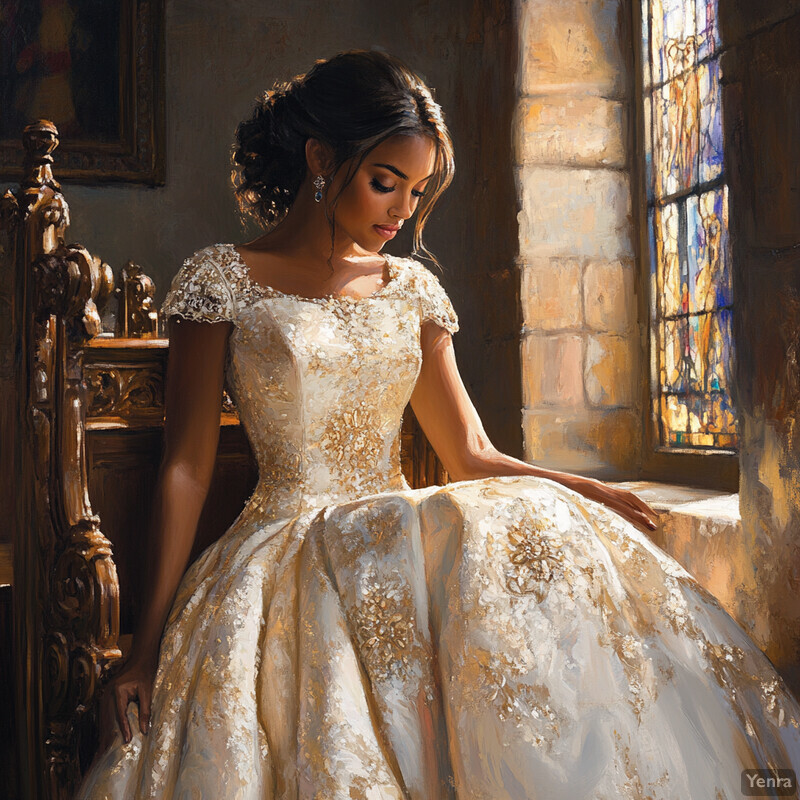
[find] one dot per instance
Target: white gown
(349, 637)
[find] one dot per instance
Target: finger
(640, 505)
(144, 711)
(652, 515)
(649, 515)
(651, 518)
(123, 699)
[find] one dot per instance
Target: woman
(510, 635)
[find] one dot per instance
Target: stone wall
(582, 343)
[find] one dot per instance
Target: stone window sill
(676, 500)
(702, 530)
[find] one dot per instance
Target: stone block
(552, 370)
(550, 292)
(604, 443)
(548, 435)
(572, 212)
(615, 436)
(573, 129)
(608, 298)
(573, 43)
(610, 370)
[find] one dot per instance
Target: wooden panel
(123, 468)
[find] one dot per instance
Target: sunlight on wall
(581, 342)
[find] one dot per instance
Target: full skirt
(496, 638)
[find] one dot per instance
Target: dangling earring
(319, 182)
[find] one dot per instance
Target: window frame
(707, 469)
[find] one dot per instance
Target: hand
(133, 683)
(624, 502)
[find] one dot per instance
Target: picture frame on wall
(95, 68)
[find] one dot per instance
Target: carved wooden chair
(81, 420)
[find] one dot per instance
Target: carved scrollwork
(137, 316)
(144, 391)
(103, 391)
(85, 589)
(75, 578)
(56, 671)
(71, 603)
(121, 392)
(70, 282)
(85, 671)
(51, 282)
(9, 211)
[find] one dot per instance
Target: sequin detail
(385, 629)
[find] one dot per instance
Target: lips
(387, 231)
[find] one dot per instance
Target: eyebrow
(398, 172)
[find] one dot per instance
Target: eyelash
(379, 187)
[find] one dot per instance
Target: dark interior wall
(221, 56)
(761, 107)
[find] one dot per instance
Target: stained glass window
(687, 214)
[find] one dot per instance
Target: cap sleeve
(433, 300)
(199, 292)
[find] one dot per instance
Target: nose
(405, 206)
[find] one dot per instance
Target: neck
(305, 234)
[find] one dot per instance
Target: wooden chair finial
(39, 139)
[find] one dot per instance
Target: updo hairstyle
(352, 102)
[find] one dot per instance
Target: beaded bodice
(320, 384)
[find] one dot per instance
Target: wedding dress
(349, 637)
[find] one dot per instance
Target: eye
(379, 187)
(417, 193)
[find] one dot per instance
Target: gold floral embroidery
(385, 629)
(534, 558)
(493, 680)
(354, 441)
(628, 650)
(280, 465)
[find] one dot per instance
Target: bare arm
(454, 429)
(193, 403)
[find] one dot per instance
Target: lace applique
(732, 668)
(433, 300)
(198, 291)
(636, 665)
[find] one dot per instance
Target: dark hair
(352, 102)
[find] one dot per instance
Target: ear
(319, 157)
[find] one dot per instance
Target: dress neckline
(270, 291)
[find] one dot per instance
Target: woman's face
(384, 192)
